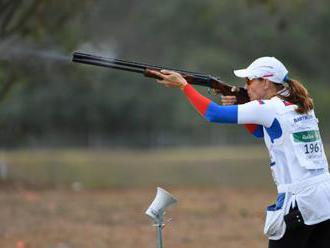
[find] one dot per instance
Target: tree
(31, 20)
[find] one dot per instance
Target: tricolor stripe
(210, 110)
(256, 130)
(268, 75)
(286, 103)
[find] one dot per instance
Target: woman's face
(256, 88)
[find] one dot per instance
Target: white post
(156, 210)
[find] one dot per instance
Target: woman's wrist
(183, 85)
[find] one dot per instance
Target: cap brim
(242, 73)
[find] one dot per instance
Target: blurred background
(84, 148)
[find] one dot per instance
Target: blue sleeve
(221, 114)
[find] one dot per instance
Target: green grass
(232, 166)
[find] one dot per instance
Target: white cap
(265, 67)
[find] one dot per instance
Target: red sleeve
(201, 103)
(251, 127)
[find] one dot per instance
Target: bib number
(312, 148)
(309, 149)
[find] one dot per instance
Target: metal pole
(159, 236)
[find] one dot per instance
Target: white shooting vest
(299, 167)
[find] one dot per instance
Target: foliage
(48, 101)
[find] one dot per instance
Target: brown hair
(298, 95)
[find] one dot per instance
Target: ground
(209, 217)
(97, 199)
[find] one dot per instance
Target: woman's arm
(254, 129)
(210, 110)
(255, 112)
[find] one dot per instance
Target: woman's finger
(228, 100)
(156, 73)
(167, 72)
(229, 97)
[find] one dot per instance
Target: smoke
(105, 49)
(12, 50)
(16, 51)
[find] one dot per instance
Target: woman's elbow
(220, 119)
(211, 118)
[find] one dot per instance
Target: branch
(9, 13)
(25, 16)
(7, 84)
(10, 10)
(4, 6)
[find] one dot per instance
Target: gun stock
(194, 78)
(229, 90)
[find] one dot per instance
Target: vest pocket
(274, 225)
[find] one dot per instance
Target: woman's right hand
(228, 100)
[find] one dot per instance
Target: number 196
(312, 147)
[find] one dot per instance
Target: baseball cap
(265, 67)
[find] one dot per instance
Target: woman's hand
(170, 78)
(228, 100)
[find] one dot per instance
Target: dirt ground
(204, 217)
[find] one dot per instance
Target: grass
(85, 198)
(112, 168)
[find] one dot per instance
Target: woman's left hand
(228, 100)
(170, 78)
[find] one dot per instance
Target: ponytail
(298, 95)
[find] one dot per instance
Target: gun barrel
(110, 62)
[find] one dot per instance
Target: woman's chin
(252, 98)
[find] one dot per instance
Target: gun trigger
(212, 92)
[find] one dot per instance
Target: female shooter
(281, 112)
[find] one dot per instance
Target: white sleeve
(260, 112)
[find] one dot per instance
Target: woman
(280, 111)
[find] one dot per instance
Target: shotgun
(194, 78)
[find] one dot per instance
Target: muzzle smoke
(14, 51)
